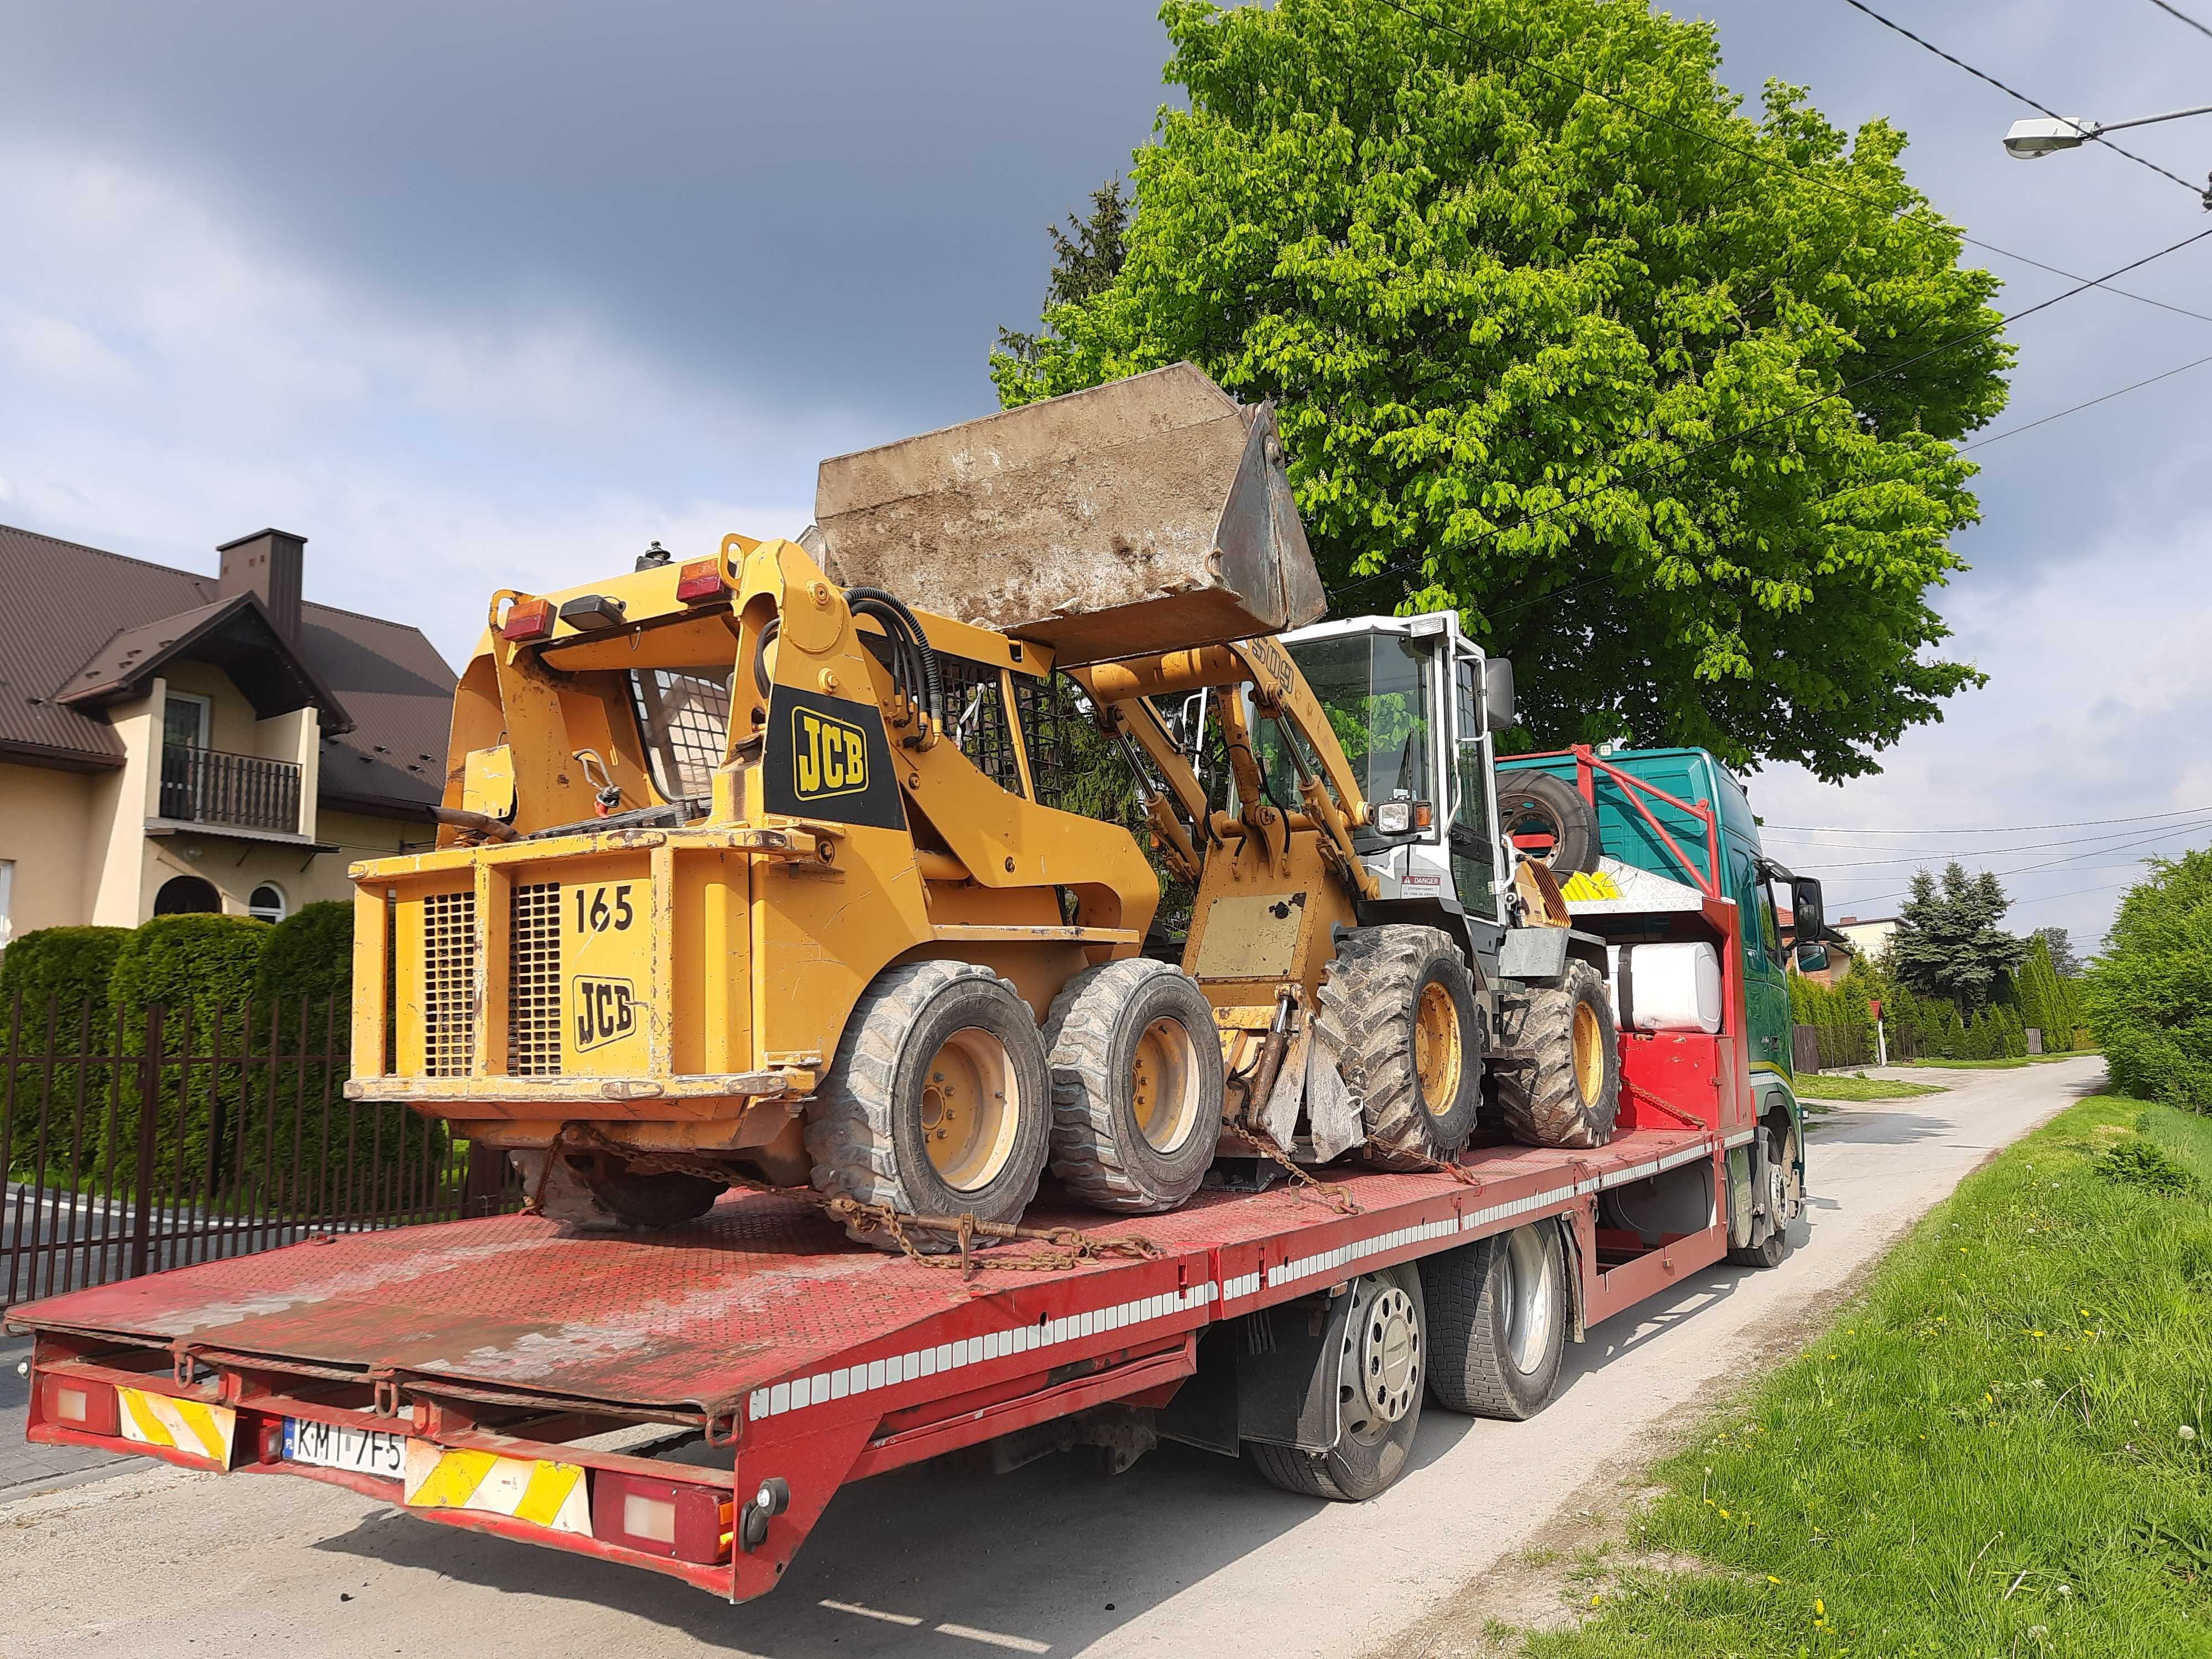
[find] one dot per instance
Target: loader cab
(1413, 703)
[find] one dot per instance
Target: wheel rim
(1164, 1084)
(1437, 1057)
(1529, 1300)
(1389, 1360)
(1778, 1183)
(1589, 1054)
(971, 1101)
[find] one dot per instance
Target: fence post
(149, 1090)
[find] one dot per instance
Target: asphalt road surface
(1185, 1553)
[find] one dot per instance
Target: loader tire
(1561, 1085)
(937, 1103)
(1397, 1006)
(1533, 802)
(1136, 1086)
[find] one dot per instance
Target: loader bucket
(1150, 514)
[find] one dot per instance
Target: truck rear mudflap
(690, 1402)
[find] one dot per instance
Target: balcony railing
(244, 792)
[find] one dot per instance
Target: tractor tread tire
(1097, 1150)
(1540, 1096)
(1364, 1013)
(851, 1122)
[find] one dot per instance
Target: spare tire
(1533, 802)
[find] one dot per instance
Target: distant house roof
(75, 611)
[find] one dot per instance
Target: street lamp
(2031, 141)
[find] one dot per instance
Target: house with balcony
(173, 743)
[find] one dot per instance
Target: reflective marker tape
(544, 1493)
(184, 1425)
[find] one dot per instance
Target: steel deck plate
(764, 1288)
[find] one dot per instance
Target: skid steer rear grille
(449, 963)
(533, 982)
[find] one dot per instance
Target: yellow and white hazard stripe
(544, 1494)
(185, 1425)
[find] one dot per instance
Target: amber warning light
(700, 581)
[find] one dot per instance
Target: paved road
(1186, 1554)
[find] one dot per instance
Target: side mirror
(1812, 959)
(1498, 694)
(1807, 911)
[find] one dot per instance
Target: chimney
(266, 564)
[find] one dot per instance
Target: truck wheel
(594, 1192)
(1383, 1366)
(1564, 1087)
(1397, 1004)
(1136, 1086)
(1772, 1183)
(937, 1103)
(1497, 1323)
(1533, 802)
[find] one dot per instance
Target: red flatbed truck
(467, 1371)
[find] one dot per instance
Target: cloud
(174, 383)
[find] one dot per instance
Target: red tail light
(701, 581)
(527, 620)
(88, 1407)
(677, 1519)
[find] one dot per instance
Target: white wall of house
(122, 801)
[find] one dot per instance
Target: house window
(266, 903)
(6, 902)
(185, 720)
(187, 896)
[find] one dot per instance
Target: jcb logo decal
(606, 1010)
(829, 757)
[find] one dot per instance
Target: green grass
(2003, 1447)
(2004, 1063)
(1827, 1085)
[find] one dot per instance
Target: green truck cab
(1659, 830)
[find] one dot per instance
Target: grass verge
(2002, 1449)
(1827, 1085)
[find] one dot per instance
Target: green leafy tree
(2046, 1001)
(1086, 256)
(2148, 995)
(1948, 942)
(2063, 962)
(1671, 422)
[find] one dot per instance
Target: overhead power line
(2172, 11)
(1910, 855)
(2014, 432)
(2196, 190)
(2052, 864)
(1989, 830)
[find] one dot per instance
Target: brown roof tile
(65, 608)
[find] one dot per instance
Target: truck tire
(937, 1103)
(1774, 1156)
(1497, 1323)
(1563, 1087)
(1536, 803)
(1397, 1005)
(1383, 1366)
(1136, 1086)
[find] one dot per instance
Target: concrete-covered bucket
(1150, 514)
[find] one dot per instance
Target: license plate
(363, 1451)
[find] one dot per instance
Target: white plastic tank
(1665, 987)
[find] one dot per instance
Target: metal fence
(135, 1141)
(210, 786)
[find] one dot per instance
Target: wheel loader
(754, 868)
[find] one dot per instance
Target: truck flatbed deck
(480, 1350)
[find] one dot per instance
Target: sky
(496, 294)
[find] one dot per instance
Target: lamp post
(2031, 141)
